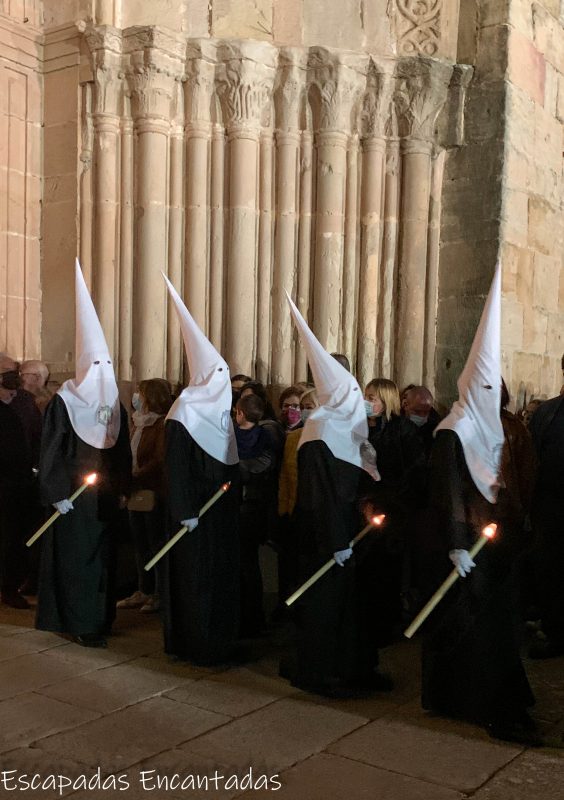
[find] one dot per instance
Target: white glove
(462, 562)
(342, 555)
(63, 506)
(191, 524)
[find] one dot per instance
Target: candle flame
(91, 479)
(490, 530)
(378, 519)
(226, 486)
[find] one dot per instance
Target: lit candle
(220, 492)
(487, 533)
(90, 480)
(375, 522)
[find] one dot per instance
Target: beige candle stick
(177, 536)
(90, 480)
(375, 522)
(487, 533)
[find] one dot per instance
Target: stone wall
(503, 194)
(20, 178)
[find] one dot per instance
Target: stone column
(265, 349)
(337, 82)
(217, 217)
(288, 103)
(156, 60)
(386, 306)
(421, 91)
(174, 346)
(432, 289)
(199, 86)
(304, 246)
(245, 86)
(105, 45)
(86, 188)
(125, 326)
(372, 310)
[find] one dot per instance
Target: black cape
(327, 519)
(75, 581)
(471, 663)
(201, 572)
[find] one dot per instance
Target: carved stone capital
(200, 84)
(451, 122)
(420, 92)
(155, 67)
(245, 81)
(337, 82)
(289, 92)
(105, 47)
(416, 25)
(378, 100)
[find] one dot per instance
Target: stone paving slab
(235, 692)
(328, 777)
(277, 736)
(109, 689)
(30, 761)
(531, 776)
(42, 640)
(30, 716)
(118, 740)
(431, 755)
(14, 646)
(30, 672)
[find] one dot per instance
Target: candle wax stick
(179, 534)
(442, 590)
(328, 565)
(56, 515)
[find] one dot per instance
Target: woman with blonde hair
(401, 464)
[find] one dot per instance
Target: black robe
(16, 494)
(201, 572)
(471, 663)
(76, 572)
(327, 519)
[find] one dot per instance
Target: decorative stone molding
(245, 81)
(421, 87)
(417, 25)
(338, 81)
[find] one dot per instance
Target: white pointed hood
(92, 398)
(204, 406)
(340, 420)
(475, 417)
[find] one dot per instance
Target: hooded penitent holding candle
(201, 572)
(329, 468)
(84, 431)
(471, 663)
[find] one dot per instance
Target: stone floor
(131, 713)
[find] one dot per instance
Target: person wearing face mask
(16, 489)
(286, 541)
(470, 657)
(201, 577)
(384, 581)
(146, 505)
(85, 431)
(417, 406)
(290, 413)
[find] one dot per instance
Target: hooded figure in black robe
(85, 431)
(329, 469)
(201, 572)
(471, 663)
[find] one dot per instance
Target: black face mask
(10, 380)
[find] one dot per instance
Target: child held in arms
(257, 465)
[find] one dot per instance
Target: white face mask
(417, 420)
(369, 408)
(136, 401)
